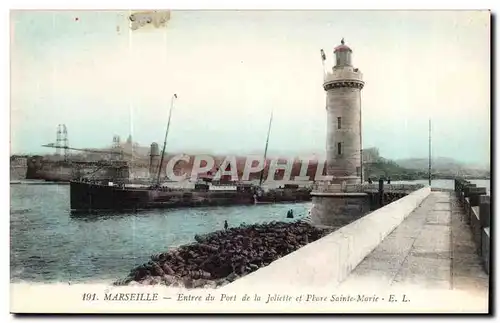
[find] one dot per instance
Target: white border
(199, 4)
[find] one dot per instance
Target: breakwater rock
(221, 257)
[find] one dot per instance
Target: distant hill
(375, 167)
(445, 167)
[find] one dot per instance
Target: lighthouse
(334, 204)
(343, 85)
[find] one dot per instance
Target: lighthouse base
(338, 209)
(345, 180)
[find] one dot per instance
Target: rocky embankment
(221, 257)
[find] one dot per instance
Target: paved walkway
(432, 249)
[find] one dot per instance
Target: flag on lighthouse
(323, 59)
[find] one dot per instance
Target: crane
(52, 145)
(137, 162)
(97, 151)
(98, 164)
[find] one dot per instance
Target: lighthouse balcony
(346, 73)
(343, 83)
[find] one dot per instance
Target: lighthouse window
(339, 122)
(339, 148)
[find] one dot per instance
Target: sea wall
(329, 260)
(477, 206)
(18, 167)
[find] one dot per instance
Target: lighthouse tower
(331, 203)
(343, 105)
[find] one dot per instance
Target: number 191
(89, 297)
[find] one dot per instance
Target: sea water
(49, 244)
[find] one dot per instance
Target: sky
(230, 69)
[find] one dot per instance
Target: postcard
(250, 161)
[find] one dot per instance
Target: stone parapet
(477, 207)
(363, 188)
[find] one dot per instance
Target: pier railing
(477, 208)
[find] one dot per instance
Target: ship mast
(265, 150)
(165, 141)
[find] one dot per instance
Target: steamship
(117, 194)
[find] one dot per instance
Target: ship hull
(95, 197)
